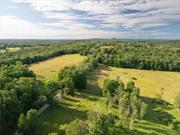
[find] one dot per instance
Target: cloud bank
(97, 19)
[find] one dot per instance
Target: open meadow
(13, 49)
(58, 117)
(151, 83)
(90, 67)
(48, 69)
(10, 49)
(87, 96)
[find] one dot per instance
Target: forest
(121, 107)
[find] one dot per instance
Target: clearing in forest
(151, 83)
(13, 49)
(49, 68)
(66, 110)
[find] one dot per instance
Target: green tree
(109, 86)
(100, 124)
(130, 105)
(67, 86)
(78, 78)
(143, 109)
(177, 101)
(22, 122)
(51, 88)
(53, 133)
(77, 127)
(9, 110)
(130, 86)
(29, 124)
(28, 91)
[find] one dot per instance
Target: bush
(41, 101)
(51, 87)
(77, 127)
(100, 124)
(177, 101)
(53, 134)
(72, 78)
(29, 124)
(110, 86)
(67, 85)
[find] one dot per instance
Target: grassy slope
(10, 49)
(57, 117)
(48, 69)
(150, 83)
(13, 49)
(71, 108)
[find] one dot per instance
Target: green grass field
(48, 69)
(10, 49)
(13, 49)
(57, 117)
(150, 83)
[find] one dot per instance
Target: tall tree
(177, 101)
(77, 127)
(29, 124)
(9, 110)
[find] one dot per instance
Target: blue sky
(83, 19)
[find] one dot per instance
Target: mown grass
(161, 118)
(13, 49)
(58, 116)
(150, 83)
(160, 114)
(10, 49)
(48, 69)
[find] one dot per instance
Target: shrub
(77, 127)
(29, 124)
(177, 101)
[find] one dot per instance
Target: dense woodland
(21, 94)
(138, 55)
(149, 55)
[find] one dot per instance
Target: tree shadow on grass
(93, 89)
(87, 96)
(71, 99)
(40, 77)
(57, 116)
(100, 72)
(153, 130)
(122, 131)
(156, 111)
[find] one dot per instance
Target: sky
(85, 19)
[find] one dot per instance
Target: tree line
(126, 99)
(138, 56)
(148, 55)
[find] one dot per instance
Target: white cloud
(13, 27)
(109, 14)
(164, 10)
